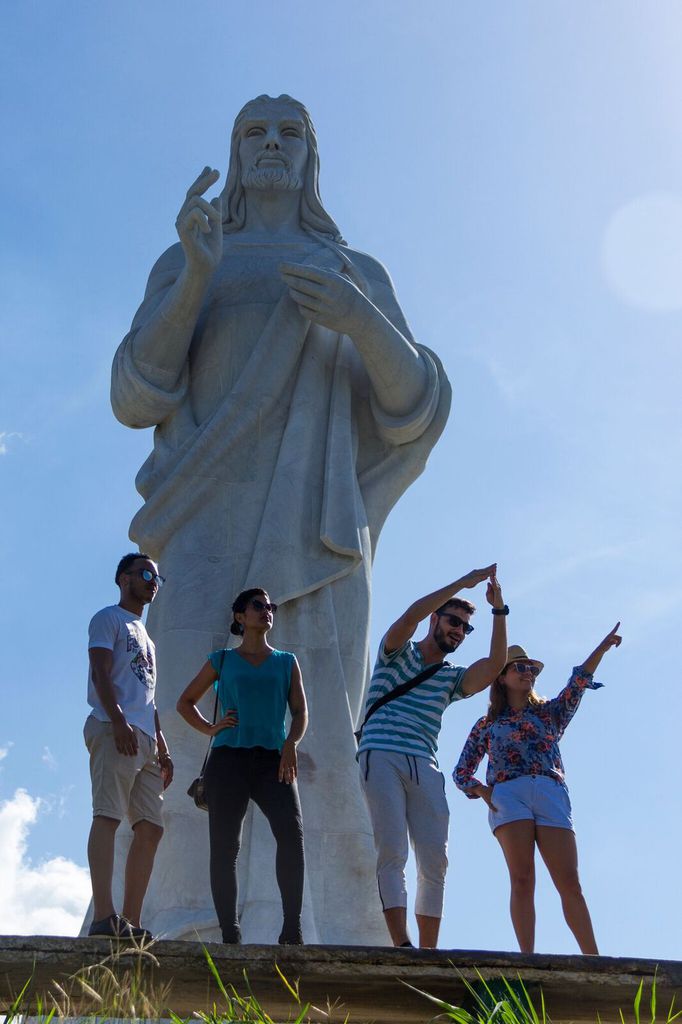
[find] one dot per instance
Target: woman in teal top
(252, 758)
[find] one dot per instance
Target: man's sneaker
(117, 927)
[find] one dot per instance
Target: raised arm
(288, 765)
(484, 671)
(592, 662)
(192, 694)
(567, 702)
(163, 337)
(403, 628)
(398, 373)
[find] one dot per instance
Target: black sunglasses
(263, 606)
(455, 621)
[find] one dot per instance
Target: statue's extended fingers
(195, 219)
(197, 203)
(303, 301)
(208, 177)
(311, 288)
(306, 273)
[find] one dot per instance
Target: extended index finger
(208, 177)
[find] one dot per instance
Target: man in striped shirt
(404, 789)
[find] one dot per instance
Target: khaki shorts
(123, 784)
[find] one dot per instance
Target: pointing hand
(200, 224)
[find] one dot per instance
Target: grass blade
(288, 986)
(216, 975)
(638, 1000)
(447, 1007)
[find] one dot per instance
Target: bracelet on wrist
(501, 611)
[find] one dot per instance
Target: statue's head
(296, 166)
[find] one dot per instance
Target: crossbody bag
(386, 698)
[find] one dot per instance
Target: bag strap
(399, 691)
(215, 709)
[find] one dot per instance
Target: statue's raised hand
(326, 297)
(200, 225)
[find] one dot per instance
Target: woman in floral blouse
(525, 789)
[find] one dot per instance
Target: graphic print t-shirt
(133, 670)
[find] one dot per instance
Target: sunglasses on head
(455, 621)
(263, 606)
(523, 666)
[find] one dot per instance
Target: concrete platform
(364, 982)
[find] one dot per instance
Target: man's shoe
(139, 934)
(113, 927)
(117, 927)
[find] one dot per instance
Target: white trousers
(406, 800)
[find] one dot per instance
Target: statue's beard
(281, 177)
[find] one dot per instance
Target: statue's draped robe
(273, 466)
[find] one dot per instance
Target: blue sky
(518, 168)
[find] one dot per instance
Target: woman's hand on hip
(288, 763)
(486, 794)
(228, 721)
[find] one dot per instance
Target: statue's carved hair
(314, 217)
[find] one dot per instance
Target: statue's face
(273, 149)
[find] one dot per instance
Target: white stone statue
(292, 408)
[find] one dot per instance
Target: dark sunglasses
(522, 666)
(263, 606)
(455, 621)
(147, 575)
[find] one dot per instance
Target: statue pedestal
(363, 981)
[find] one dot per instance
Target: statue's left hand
(326, 298)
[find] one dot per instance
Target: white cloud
(48, 898)
(49, 759)
(4, 751)
(551, 572)
(5, 436)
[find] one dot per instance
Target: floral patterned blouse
(524, 742)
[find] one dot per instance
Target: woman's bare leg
(560, 853)
(517, 840)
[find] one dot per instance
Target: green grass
(118, 987)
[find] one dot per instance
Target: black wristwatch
(501, 611)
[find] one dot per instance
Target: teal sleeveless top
(259, 696)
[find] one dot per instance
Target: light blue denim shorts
(531, 798)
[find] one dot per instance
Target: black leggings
(235, 775)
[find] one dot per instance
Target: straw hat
(516, 653)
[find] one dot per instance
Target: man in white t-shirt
(129, 761)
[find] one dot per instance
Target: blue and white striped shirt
(410, 724)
